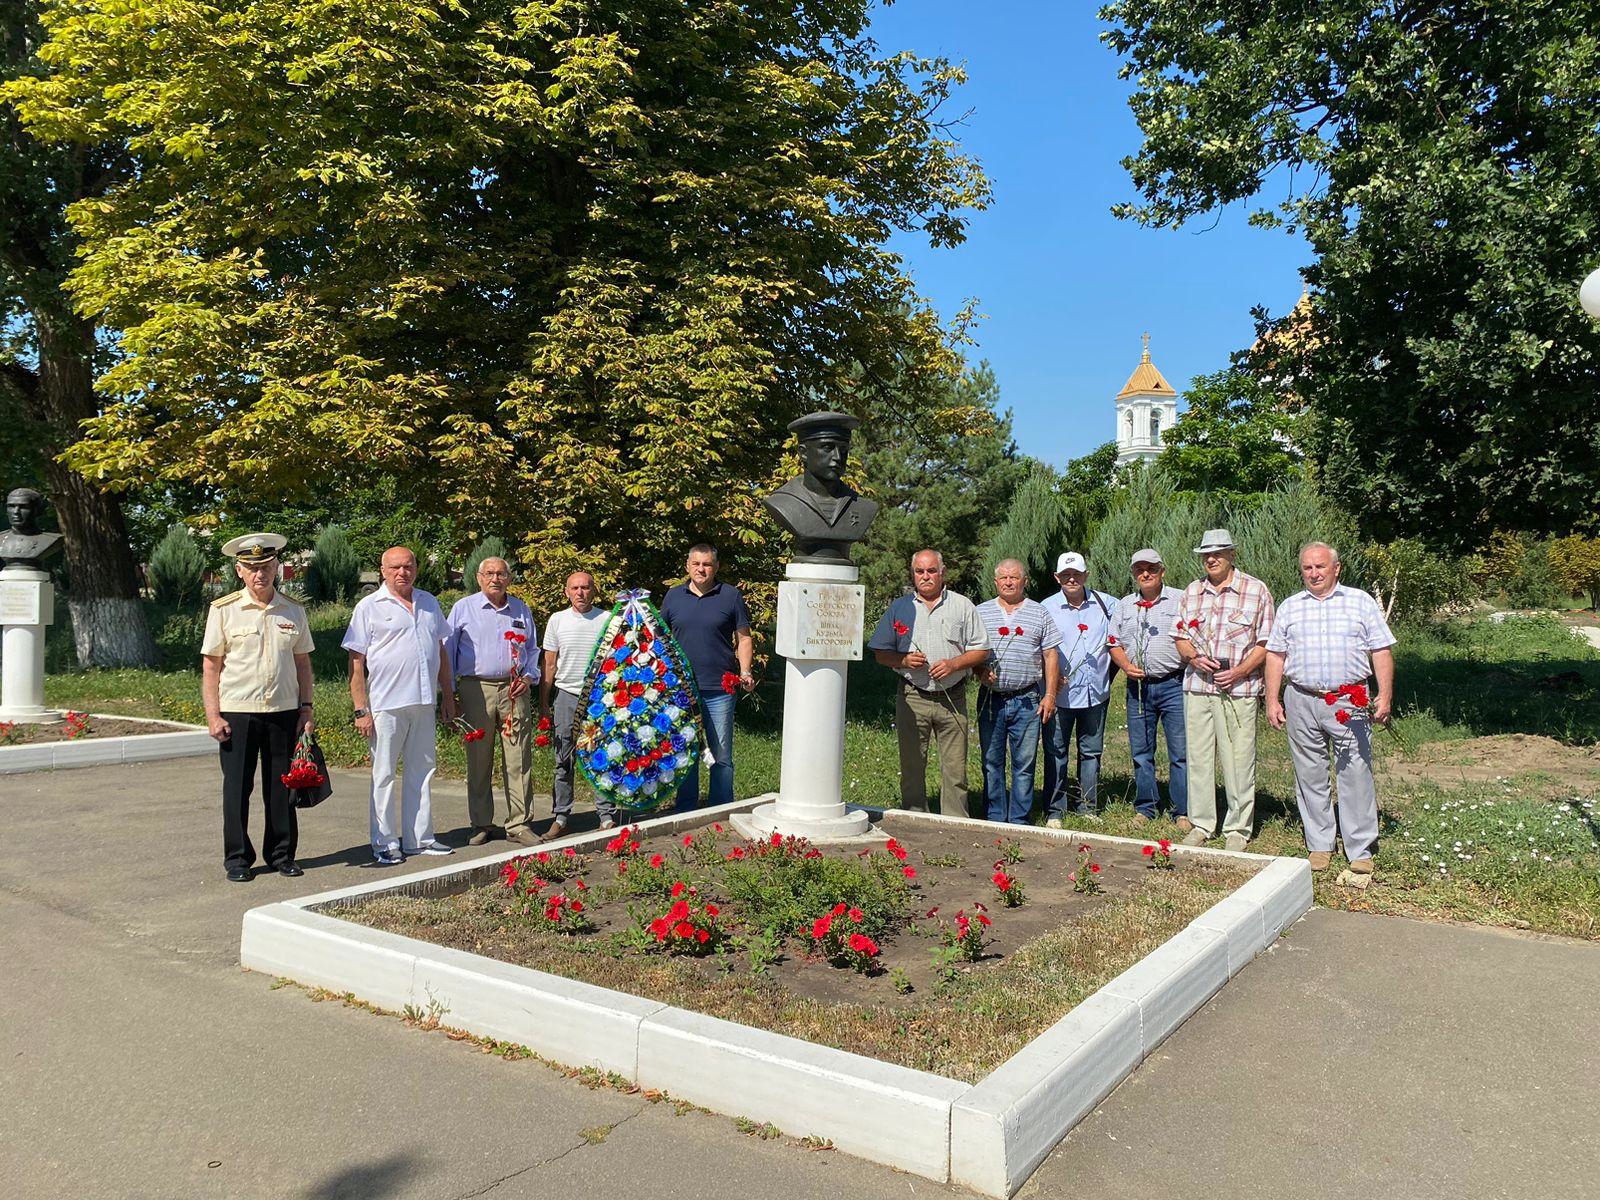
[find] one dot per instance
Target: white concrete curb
(185, 741)
(988, 1137)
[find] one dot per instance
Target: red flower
(1148, 851)
(1111, 640)
(701, 936)
(820, 927)
(575, 905)
(659, 927)
(717, 828)
(839, 909)
(679, 889)
(636, 690)
(736, 852)
(544, 723)
(541, 740)
(608, 666)
(1005, 631)
(1342, 716)
(856, 914)
(712, 910)
(1330, 699)
(1166, 844)
(862, 944)
(656, 860)
(1094, 868)
(618, 642)
(909, 872)
(730, 682)
(1001, 880)
(901, 628)
(678, 911)
(688, 839)
(1358, 694)
(983, 920)
(683, 929)
(1083, 629)
(1195, 624)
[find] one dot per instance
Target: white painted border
(988, 1137)
(183, 741)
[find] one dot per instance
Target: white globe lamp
(1589, 294)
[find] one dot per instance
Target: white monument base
(27, 607)
(820, 614)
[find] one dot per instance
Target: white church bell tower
(1147, 406)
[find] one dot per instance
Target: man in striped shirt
(1011, 704)
(1221, 632)
(1327, 642)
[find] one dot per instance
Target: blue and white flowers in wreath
(639, 730)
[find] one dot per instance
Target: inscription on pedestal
(821, 620)
(25, 602)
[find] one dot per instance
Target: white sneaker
(1054, 823)
(438, 849)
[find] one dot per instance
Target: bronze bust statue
(825, 516)
(24, 544)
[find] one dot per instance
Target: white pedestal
(27, 607)
(821, 610)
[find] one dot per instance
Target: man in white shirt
(569, 642)
(1326, 643)
(396, 641)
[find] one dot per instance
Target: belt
(487, 678)
(934, 692)
(1319, 693)
(996, 694)
(1158, 678)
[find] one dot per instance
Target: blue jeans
(716, 710)
(1010, 722)
(1089, 725)
(1150, 704)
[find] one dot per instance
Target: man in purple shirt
(494, 651)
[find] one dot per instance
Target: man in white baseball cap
(1083, 617)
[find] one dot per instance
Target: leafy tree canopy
(1442, 160)
(567, 267)
(1235, 437)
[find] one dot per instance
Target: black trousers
(266, 739)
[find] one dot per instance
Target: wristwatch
(305, 704)
(362, 712)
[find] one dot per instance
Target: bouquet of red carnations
(307, 777)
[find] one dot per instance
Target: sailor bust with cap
(818, 507)
(256, 685)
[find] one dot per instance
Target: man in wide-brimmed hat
(1221, 633)
(255, 682)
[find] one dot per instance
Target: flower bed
(945, 953)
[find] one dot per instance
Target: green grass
(1454, 682)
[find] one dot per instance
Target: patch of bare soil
(1507, 756)
(98, 727)
(917, 1007)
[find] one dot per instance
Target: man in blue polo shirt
(710, 622)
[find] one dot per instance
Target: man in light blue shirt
(1084, 618)
(494, 650)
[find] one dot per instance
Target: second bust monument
(818, 507)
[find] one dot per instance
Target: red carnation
(1111, 641)
(1004, 631)
(730, 682)
(1083, 629)
(901, 628)
(1148, 851)
(1342, 716)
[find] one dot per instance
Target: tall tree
(565, 266)
(1236, 436)
(48, 360)
(1443, 160)
(945, 487)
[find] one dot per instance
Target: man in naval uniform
(256, 684)
(824, 514)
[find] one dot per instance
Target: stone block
(91, 752)
(1283, 889)
(152, 746)
(1003, 1128)
(569, 1022)
(1238, 919)
(319, 951)
(874, 1110)
(1173, 981)
(26, 758)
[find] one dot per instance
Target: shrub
(335, 572)
(1149, 513)
(177, 569)
(1270, 533)
(1412, 583)
(490, 547)
(1516, 568)
(1575, 561)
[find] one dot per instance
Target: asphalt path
(1360, 1055)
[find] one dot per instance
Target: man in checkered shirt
(1221, 633)
(1327, 642)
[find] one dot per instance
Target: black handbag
(308, 751)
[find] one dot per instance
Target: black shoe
(291, 869)
(240, 875)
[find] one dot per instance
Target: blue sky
(1066, 289)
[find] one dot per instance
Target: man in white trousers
(397, 666)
